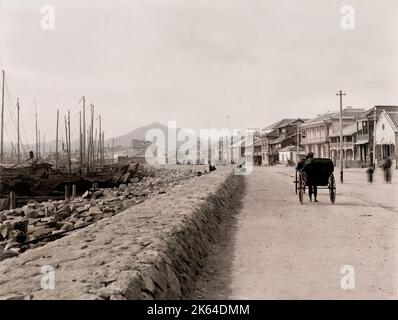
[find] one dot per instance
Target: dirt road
(275, 248)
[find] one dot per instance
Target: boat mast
(80, 140)
(2, 119)
(19, 151)
(69, 154)
(37, 145)
(56, 144)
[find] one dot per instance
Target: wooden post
(66, 192)
(73, 191)
(13, 200)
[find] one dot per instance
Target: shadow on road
(215, 279)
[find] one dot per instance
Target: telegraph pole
(298, 142)
(341, 94)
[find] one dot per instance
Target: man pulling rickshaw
(314, 173)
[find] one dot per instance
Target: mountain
(139, 134)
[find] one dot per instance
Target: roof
(347, 131)
(350, 112)
(280, 124)
(291, 148)
(347, 113)
(392, 118)
(281, 139)
(319, 118)
(257, 143)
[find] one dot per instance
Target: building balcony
(346, 145)
(314, 140)
(362, 138)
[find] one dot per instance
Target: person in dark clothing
(387, 170)
(369, 172)
(312, 189)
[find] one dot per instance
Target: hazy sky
(195, 61)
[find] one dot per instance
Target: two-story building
(281, 134)
(322, 134)
(364, 146)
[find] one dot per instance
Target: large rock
(83, 208)
(86, 195)
(39, 232)
(34, 213)
(17, 236)
(63, 212)
(125, 178)
(97, 194)
(14, 212)
(20, 224)
(67, 226)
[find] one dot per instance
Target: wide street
(275, 248)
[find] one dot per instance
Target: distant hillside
(139, 134)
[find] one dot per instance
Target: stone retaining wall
(153, 250)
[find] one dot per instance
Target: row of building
(368, 137)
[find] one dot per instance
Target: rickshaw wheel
(301, 188)
(332, 189)
(295, 183)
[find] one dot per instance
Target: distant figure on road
(386, 166)
(313, 190)
(211, 168)
(369, 173)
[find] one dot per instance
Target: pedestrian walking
(369, 173)
(387, 170)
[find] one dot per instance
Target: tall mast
(56, 144)
(2, 119)
(84, 129)
(18, 150)
(92, 132)
(100, 141)
(44, 146)
(80, 140)
(103, 148)
(69, 154)
(37, 145)
(113, 150)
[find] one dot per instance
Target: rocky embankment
(38, 223)
(153, 250)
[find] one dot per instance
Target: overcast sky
(195, 61)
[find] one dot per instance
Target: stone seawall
(153, 250)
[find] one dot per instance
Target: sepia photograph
(209, 152)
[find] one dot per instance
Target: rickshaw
(316, 172)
